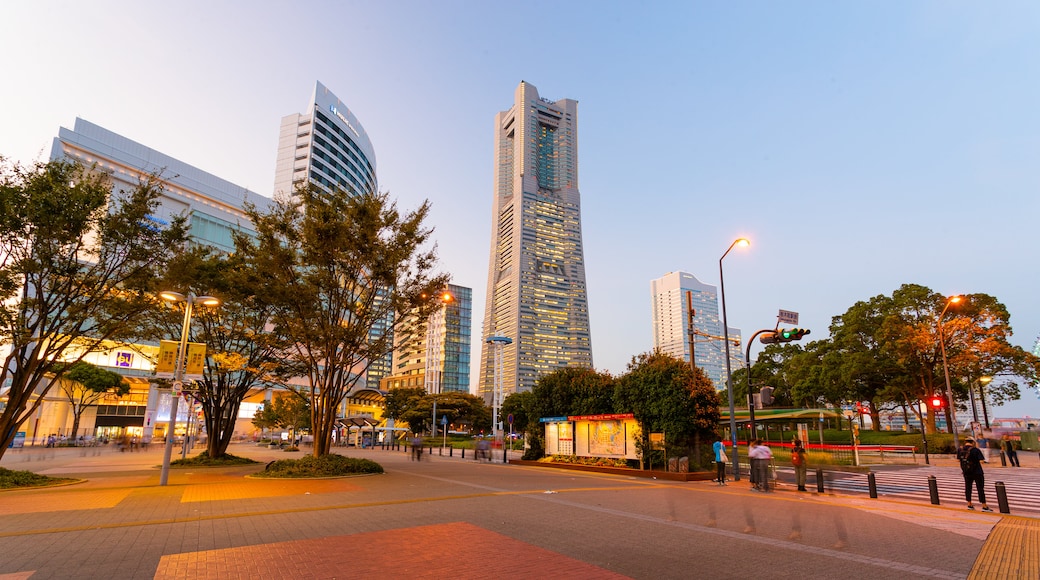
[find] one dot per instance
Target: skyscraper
(327, 146)
(669, 304)
(536, 292)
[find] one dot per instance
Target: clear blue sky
(859, 146)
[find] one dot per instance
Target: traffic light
(783, 335)
(937, 402)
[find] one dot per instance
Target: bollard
(872, 484)
(505, 455)
(1003, 459)
(819, 479)
(451, 451)
(463, 452)
(933, 490)
(441, 452)
(1002, 498)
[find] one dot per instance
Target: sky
(859, 146)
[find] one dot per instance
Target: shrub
(13, 479)
(324, 466)
(203, 459)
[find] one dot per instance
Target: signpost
(444, 427)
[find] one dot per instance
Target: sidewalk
(216, 523)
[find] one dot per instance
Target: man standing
(1009, 450)
(971, 466)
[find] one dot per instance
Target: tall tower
(670, 307)
(327, 146)
(536, 276)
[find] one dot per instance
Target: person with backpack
(971, 460)
(798, 461)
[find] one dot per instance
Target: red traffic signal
(937, 402)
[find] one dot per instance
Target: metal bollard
(451, 451)
(441, 452)
(463, 452)
(505, 455)
(1003, 459)
(1002, 498)
(933, 490)
(819, 479)
(872, 485)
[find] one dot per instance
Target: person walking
(971, 460)
(720, 460)
(1009, 451)
(798, 461)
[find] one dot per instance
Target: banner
(196, 360)
(167, 363)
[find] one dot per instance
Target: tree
(667, 396)
(265, 418)
(291, 411)
(243, 352)
(459, 408)
(345, 274)
(78, 264)
(401, 401)
(83, 386)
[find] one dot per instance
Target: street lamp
(178, 374)
(729, 379)
(946, 371)
(983, 381)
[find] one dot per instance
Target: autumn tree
(78, 265)
(84, 384)
(345, 273)
(565, 391)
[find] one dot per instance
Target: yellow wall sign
(167, 363)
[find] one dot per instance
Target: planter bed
(667, 475)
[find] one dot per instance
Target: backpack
(963, 456)
(797, 458)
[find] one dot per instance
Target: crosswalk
(1022, 485)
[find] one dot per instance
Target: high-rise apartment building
(536, 292)
(328, 147)
(438, 357)
(671, 297)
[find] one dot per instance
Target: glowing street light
(178, 374)
(946, 370)
(742, 242)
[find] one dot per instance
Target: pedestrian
(798, 461)
(417, 448)
(1009, 450)
(760, 456)
(971, 460)
(720, 460)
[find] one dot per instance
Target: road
(448, 517)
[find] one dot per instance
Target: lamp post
(729, 379)
(178, 374)
(946, 371)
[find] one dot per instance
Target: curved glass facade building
(327, 146)
(536, 292)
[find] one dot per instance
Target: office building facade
(438, 357)
(214, 208)
(536, 291)
(671, 296)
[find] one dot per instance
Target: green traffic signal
(784, 335)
